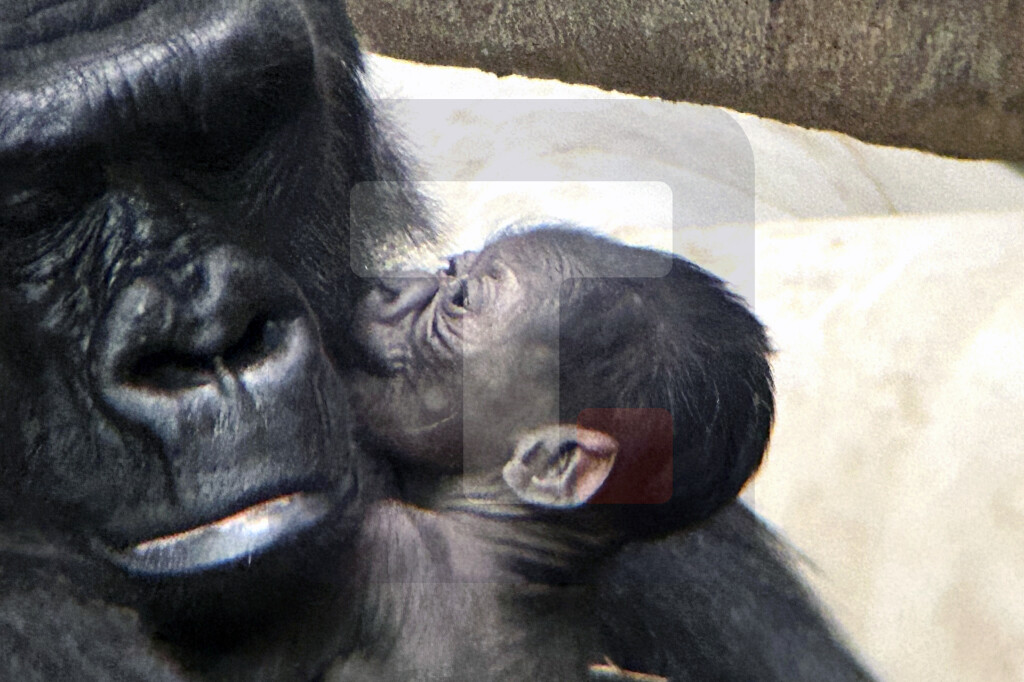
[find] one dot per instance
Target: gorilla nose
(199, 336)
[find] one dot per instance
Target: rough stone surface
(941, 75)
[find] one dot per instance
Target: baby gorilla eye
(460, 295)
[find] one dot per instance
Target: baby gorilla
(610, 374)
(554, 368)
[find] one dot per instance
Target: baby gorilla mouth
(241, 535)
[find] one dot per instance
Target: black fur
(176, 279)
(730, 607)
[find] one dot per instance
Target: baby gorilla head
(589, 370)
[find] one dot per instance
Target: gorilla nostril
(173, 370)
(261, 340)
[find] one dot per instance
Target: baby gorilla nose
(385, 317)
(394, 298)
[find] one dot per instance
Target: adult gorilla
(175, 285)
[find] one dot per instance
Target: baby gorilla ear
(560, 465)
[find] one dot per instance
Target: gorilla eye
(450, 270)
(460, 297)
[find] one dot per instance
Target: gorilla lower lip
(235, 537)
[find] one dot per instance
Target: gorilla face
(174, 249)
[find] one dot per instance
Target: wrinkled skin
(491, 315)
(175, 290)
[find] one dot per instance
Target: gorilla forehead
(247, 116)
(140, 67)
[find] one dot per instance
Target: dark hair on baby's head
(676, 347)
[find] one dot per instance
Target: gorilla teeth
(236, 537)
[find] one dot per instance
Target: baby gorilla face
(463, 358)
(559, 327)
